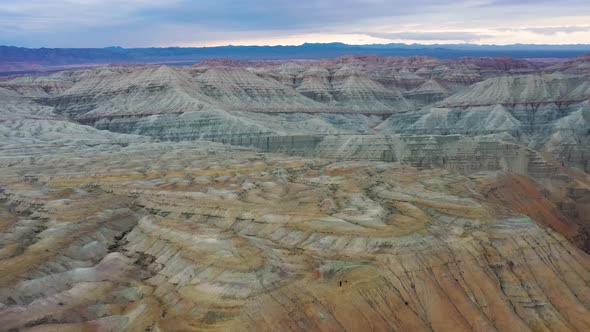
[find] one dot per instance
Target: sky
(160, 23)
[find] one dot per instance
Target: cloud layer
(133, 23)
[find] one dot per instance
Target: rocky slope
(347, 84)
(342, 194)
(185, 236)
(24, 121)
(523, 89)
(247, 102)
(161, 90)
(548, 112)
(578, 65)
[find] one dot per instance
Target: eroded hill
(345, 194)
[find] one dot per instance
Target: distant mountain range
(22, 60)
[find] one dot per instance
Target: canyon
(351, 193)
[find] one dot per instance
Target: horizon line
(306, 43)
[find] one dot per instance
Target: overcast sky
(139, 23)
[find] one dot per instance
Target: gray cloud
(149, 22)
(549, 31)
(432, 35)
(512, 3)
(273, 14)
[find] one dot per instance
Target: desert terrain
(358, 193)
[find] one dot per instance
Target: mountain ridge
(15, 59)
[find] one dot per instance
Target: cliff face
(165, 90)
(349, 84)
(471, 96)
(546, 112)
(578, 65)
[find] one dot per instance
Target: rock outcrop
(358, 193)
(184, 236)
(577, 66)
(547, 112)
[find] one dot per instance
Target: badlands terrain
(348, 194)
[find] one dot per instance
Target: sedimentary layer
(194, 236)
